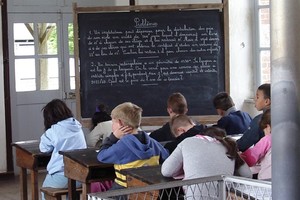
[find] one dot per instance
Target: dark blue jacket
(163, 134)
(252, 135)
(235, 122)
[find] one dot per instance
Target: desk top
(86, 157)
(31, 147)
(149, 174)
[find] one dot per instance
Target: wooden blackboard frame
(152, 121)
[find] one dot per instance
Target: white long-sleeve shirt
(99, 133)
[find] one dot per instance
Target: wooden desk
(144, 176)
(28, 156)
(82, 165)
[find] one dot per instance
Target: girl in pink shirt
(258, 157)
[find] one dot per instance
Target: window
(36, 59)
(263, 41)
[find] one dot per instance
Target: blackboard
(143, 57)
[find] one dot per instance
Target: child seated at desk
(176, 105)
(182, 127)
(62, 132)
(232, 120)
(253, 134)
(210, 154)
(128, 147)
(102, 127)
(258, 157)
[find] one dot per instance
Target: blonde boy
(128, 147)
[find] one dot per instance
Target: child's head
(222, 102)
(55, 111)
(180, 124)
(126, 114)
(265, 122)
(102, 114)
(176, 104)
(263, 97)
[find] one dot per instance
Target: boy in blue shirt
(128, 147)
(232, 120)
(253, 134)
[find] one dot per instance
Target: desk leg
(86, 188)
(71, 188)
(23, 183)
(34, 185)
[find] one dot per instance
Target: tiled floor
(10, 190)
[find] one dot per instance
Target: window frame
(258, 49)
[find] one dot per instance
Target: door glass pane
(23, 39)
(71, 54)
(25, 75)
(49, 74)
(264, 2)
(71, 39)
(264, 27)
(265, 66)
(47, 37)
(72, 74)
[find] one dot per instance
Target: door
(40, 70)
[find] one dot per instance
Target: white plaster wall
(3, 163)
(241, 20)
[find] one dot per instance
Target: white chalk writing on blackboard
(147, 45)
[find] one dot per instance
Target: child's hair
(55, 111)
(223, 101)
(229, 143)
(179, 121)
(129, 113)
(266, 89)
(102, 114)
(177, 103)
(265, 119)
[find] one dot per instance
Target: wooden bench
(56, 193)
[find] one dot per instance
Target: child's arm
(173, 165)
(46, 143)
(222, 123)
(107, 153)
(253, 155)
(251, 136)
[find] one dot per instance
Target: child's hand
(123, 130)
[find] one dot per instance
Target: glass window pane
(71, 39)
(72, 74)
(25, 75)
(49, 74)
(265, 66)
(23, 39)
(264, 27)
(264, 2)
(47, 37)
